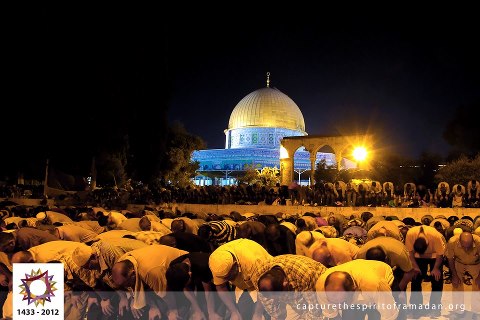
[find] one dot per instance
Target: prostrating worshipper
(328, 231)
(111, 219)
(291, 226)
(114, 234)
(440, 224)
(252, 230)
(148, 224)
(426, 247)
(426, 219)
(384, 228)
(235, 262)
(217, 233)
(185, 241)
(24, 239)
(395, 254)
(279, 240)
(184, 224)
(51, 217)
(131, 224)
(191, 275)
(305, 239)
(46, 252)
(358, 282)
(291, 274)
(89, 225)
(77, 281)
(372, 221)
(143, 270)
(6, 282)
(75, 233)
(337, 221)
(465, 223)
(332, 252)
(355, 234)
(463, 253)
(101, 257)
(149, 237)
(306, 223)
(21, 222)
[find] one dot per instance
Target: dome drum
(257, 137)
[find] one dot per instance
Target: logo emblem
(38, 287)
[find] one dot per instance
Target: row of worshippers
(131, 265)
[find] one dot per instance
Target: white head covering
(220, 263)
(41, 215)
(81, 255)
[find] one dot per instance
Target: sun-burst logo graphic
(37, 287)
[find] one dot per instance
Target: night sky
(95, 76)
(401, 81)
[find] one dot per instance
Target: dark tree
(177, 167)
(428, 167)
(462, 130)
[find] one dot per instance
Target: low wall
(401, 213)
(203, 209)
(29, 202)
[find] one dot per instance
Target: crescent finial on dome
(268, 79)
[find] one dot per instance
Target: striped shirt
(302, 274)
(222, 232)
(109, 251)
(75, 233)
(53, 250)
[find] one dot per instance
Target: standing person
(463, 253)
(426, 247)
(473, 193)
(235, 262)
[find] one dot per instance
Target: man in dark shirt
(252, 230)
(23, 239)
(279, 240)
(190, 273)
(186, 241)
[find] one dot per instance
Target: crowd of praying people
(355, 193)
(159, 264)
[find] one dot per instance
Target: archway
(338, 144)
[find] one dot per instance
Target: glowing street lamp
(283, 153)
(360, 154)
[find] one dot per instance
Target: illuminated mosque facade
(256, 127)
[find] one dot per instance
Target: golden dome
(267, 107)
